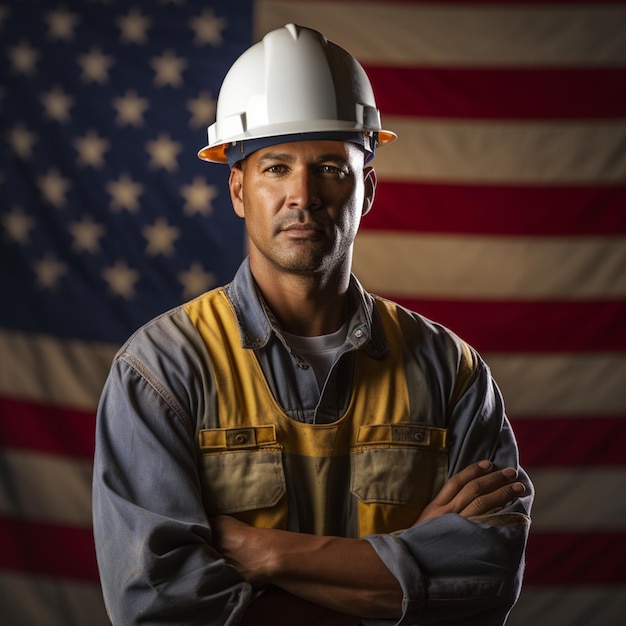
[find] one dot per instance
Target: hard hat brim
(217, 153)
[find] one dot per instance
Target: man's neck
(306, 305)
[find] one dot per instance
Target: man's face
(302, 203)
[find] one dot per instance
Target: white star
(57, 104)
(161, 237)
(208, 28)
(199, 196)
(49, 271)
(121, 279)
(134, 27)
(61, 24)
(196, 281)
(168, 69)
(202, 110)
(95, 65)
(87, 234)
(54, 187)
(163, 152)
(91, 149)
(23, 58)
(22, 141)
(125, 193)
(18, 225)
(130, 109)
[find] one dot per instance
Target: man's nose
(303, 190)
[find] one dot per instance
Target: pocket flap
(419, 435)
(237, 438)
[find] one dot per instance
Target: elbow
(479, 602)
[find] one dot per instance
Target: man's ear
(369, 178)
(235, 184)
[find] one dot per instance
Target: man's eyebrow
(337, 158)
(284, 156)
(276, 156)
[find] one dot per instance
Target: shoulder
(417, 327)
(170, 340)
(428, 340)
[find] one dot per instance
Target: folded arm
(347, 575)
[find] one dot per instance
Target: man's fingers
(487, 492)
(476, 490)
(480, 487)
(493, 500)
(455, 484)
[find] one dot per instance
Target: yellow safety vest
(371, 471)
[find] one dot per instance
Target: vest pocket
(396, 470)
(242, 471)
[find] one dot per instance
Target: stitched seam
(159, 388)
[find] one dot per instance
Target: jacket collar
(257, 323)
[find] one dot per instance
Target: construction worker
(289, 448)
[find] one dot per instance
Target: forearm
(342, 574)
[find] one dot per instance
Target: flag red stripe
(546, 441)
(50, 429)
(530, 326)
(498, 210)
(47, 549)
(592, 441)
(494, 93)
(552, 558)
(576, 559)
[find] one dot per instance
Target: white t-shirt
(320, 352)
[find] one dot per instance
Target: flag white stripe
(46, 488)
(504, 152)
(461, 36)
(571, 385)
(559, 493)
(61, 372)
(50, 492)
(463, 266)
(571, 606)
(26, 599)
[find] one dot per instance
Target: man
(289, 449)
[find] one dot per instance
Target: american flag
(500, 211)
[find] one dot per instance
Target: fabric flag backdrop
(501, 212)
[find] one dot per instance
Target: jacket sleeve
(465, 571)
(152, 536)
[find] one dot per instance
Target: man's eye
(275, 169)
(333, 169)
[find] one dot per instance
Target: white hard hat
(294, 82)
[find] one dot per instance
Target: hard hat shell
(293, 81)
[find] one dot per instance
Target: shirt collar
(257, 324)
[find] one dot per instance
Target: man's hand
(478, 489)
(243, 547)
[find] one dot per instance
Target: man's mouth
(306, 230)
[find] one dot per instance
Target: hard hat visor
(238, 150)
